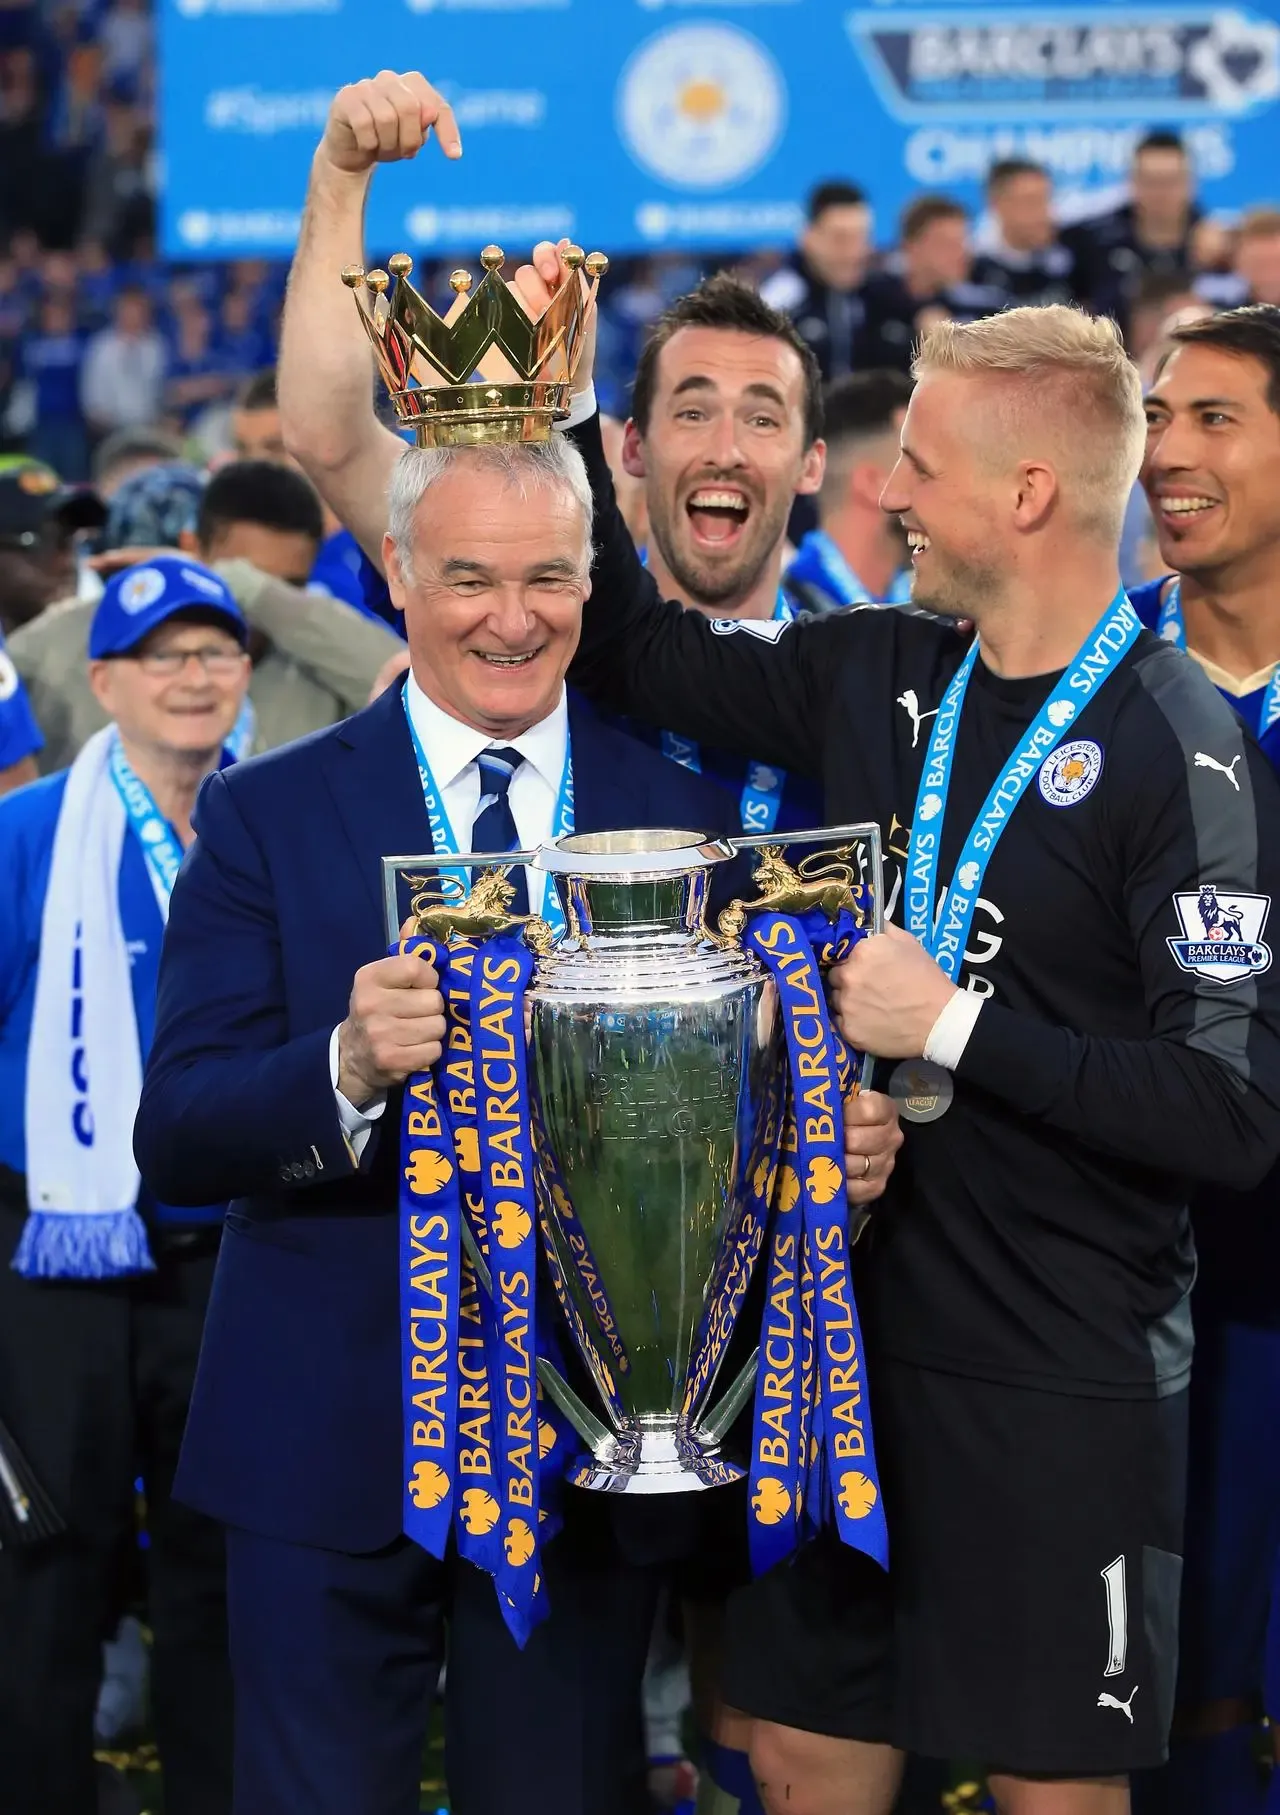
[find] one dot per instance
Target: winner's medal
(922, 1090)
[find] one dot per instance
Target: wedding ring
(866, 1165)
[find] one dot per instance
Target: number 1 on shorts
(1117, 1617)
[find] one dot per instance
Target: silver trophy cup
(657, 1084)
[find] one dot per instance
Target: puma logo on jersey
(911, 706)
(1227, 769)
(1125, 1708)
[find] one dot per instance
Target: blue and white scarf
(84, 1062)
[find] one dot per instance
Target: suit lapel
(605, 796)
(373, 777)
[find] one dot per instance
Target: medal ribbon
(161, 850)
(1092, 666)
(791, 1481)
(761, 798)
(1172, 627)
(444, 839)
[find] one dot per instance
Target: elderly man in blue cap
(102, 1289)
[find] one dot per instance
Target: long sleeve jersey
(1038, 1232)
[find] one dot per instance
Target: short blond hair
(1069, 387)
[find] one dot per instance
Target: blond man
(1076, 1010)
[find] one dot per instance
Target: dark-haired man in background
(1212, 475)
(1151, 232)
(338, 567)
(819, 286)
(931, 280)
(858, 555)
(1021, 253)
(314, 658)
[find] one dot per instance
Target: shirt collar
(452, 746)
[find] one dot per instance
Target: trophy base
(654, 1462)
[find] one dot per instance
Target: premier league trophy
(632, 1108)
(657, 1073)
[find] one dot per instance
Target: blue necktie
(494, 828)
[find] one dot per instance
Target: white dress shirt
(451, 750)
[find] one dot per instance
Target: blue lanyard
(1094, 662)
(444, 839)
(161, 850)
(837, 577)
(1172, 627)
(761, 799)
(243, 732)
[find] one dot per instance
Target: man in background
(930, 281)
(1212, 474)
(38, 520)
(858, 555)
(819, 286)
(1151, 232)
(128, 451)
(1020, 253)
(122, 379)
(259, 524)
(255, 421)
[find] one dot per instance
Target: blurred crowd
(99, 334)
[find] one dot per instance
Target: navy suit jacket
(295, 1426)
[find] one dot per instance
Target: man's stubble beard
(717, 587)
(960, 592)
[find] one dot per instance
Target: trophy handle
(601, 1439)
(717, 1424)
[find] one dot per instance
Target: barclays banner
(635, 125)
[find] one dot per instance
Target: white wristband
(582, 407)
(949, 1034)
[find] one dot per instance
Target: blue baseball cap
(140, 598)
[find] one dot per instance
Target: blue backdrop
(634, 124)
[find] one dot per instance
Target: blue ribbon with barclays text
(812, 1454)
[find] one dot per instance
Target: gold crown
(486, 371)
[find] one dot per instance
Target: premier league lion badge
(1222, 934)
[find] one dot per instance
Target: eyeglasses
(168, 664)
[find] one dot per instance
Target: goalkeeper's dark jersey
(1038, 1232)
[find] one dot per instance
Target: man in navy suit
(273, 1082)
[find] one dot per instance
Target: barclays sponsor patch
(1222, 934)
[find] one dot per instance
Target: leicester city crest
(1222, 934)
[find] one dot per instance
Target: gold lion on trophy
(824, 879)
(485, 911)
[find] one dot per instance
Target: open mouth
(917, 543)
(717, 515)
(1181, 510)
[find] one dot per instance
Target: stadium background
(153, 162)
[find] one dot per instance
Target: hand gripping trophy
(634, 1112)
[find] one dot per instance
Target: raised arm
(341, 648)
(326, 375)
(760, 688)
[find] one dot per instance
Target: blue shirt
(28, 822)
(19, 733)
(1237, 1232)
(345, 571)
(52, 363)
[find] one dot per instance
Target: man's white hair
(553, 465)
(1065, 380)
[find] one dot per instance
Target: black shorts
(1030, 1615)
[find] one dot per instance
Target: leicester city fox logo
(1222, 934)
